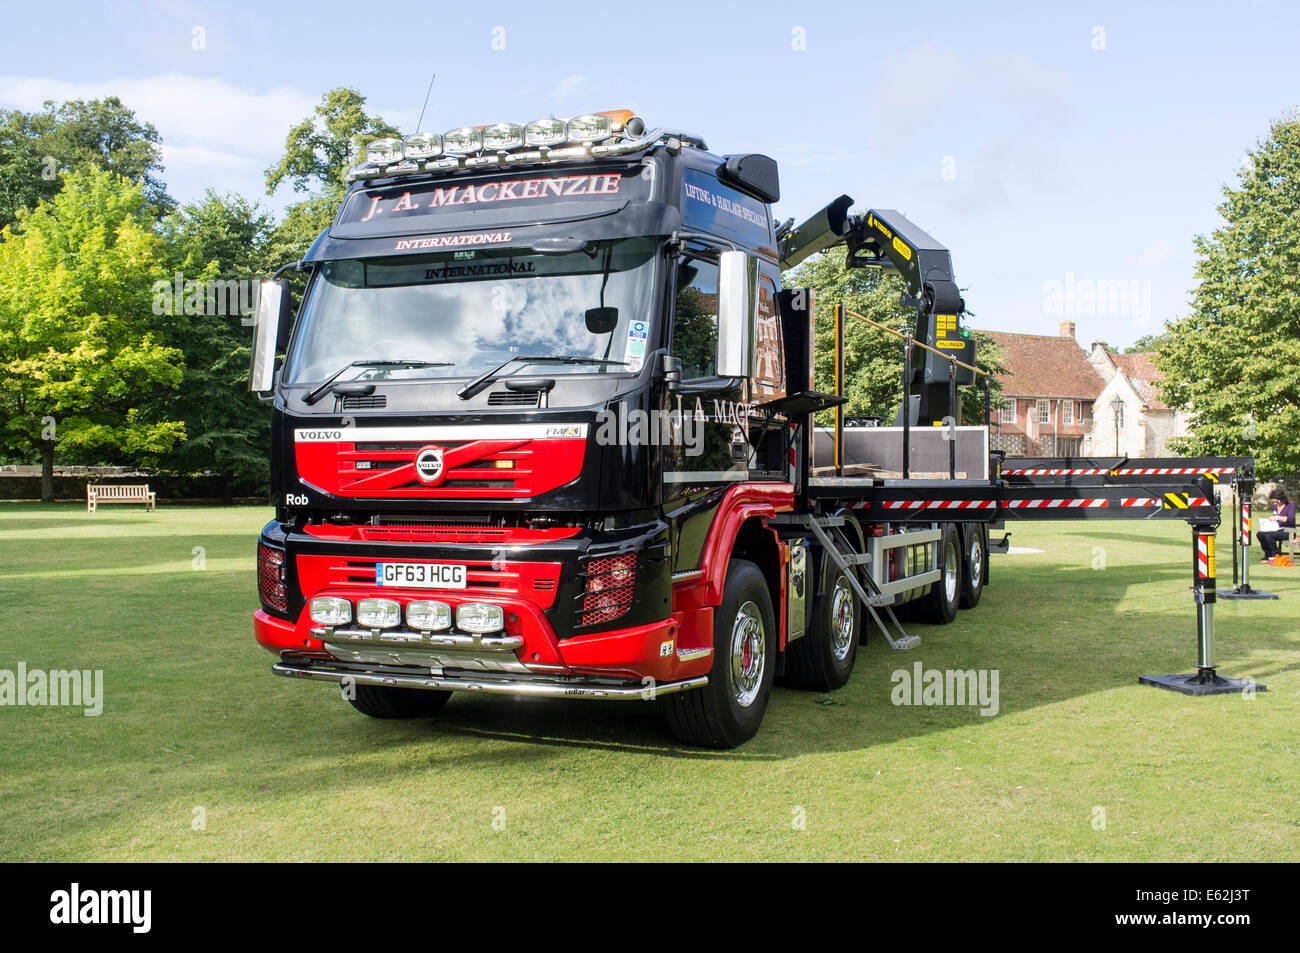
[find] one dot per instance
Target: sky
(1057, 148)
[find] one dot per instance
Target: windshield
(476, 309)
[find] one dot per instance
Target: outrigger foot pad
(1240, 593)
(1203, 682)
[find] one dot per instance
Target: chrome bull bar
(530, 687)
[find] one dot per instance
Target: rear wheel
(939, 605)
(378, 701)
(727, 711)
(974, 569)
(823, 659)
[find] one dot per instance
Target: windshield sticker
(452, 241)
(636, 342)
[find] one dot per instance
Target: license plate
(420, 575)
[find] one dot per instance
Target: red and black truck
(543, 426)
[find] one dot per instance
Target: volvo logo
(428, 465)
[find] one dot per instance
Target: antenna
(426, 102)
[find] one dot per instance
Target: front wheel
(727, 712)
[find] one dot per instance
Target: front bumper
(531, 686)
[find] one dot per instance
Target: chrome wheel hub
(841, 619)
(950, 571)
(748, 654)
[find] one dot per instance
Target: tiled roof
(1145, 377)
(1040, 365)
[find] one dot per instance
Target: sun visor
(623, 220)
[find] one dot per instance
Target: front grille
(365, 402)
(270, 578)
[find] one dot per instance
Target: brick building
(1049, 389)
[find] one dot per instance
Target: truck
(543, 425)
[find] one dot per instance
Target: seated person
(1270, 541)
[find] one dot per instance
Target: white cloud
(569, 85)
(188, 110)
(215, 134)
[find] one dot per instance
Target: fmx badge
(428, 465)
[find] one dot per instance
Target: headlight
(480, 617)
(590, 128)
(379, 613)
(462, 141)
(422, 145)
(331, 610)
(383, 151)
(428, 616)
(546, 132)
(503, 135)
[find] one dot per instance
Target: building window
(1008, 414)
(1067, 412)
(1044, 411)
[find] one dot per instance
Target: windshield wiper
(318, 392)
(483, 380)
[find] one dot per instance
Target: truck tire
(939, 605)
(974, 567)
(727, 712)
(378, 701)
(822, 660)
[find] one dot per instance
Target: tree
(1145, 344)
(36, 148)
(319, 150)
(218, 241)
(873, 360)
(84, 369)
(1234, 359)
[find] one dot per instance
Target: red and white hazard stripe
(1091, 471)
(1202, 556)
(939, 504)
(1054, 504)
(1175, 471)
(1245, 524)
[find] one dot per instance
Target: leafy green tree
(37, 148)
(83, 366)
(1146, 344)
(220, 242)
(873, 360)
(318, 152)
(1234, 359)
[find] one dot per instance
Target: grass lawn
(195, 726)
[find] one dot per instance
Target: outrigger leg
(1206, 681)
(1241, 543)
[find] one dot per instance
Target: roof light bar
(593, 135)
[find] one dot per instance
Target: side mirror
(737, 310)
(271, 323)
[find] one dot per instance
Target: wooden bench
(97, 493)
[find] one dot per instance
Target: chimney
(1067, 329)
